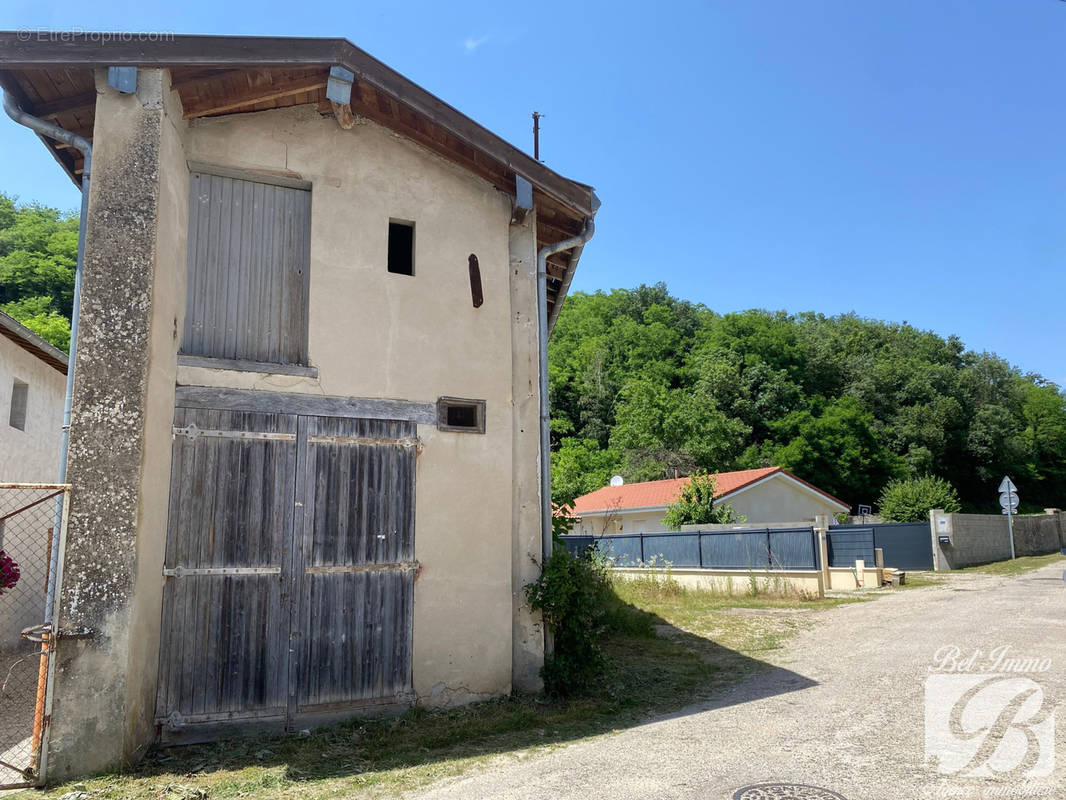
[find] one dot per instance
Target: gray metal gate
(288, 569)
(30, 565)
(905, 545)
(847, 545)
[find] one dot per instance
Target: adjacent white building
(33, 377)
(768, 495)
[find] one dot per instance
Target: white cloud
(472, 43)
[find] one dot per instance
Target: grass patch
(669, 647)
(716, 619)
(918, 580)
(1016, 566)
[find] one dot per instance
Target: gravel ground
(843, 709)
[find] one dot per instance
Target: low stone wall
(982, 538)
(772, 581)
(846, 579)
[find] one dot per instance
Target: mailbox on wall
(944, 539)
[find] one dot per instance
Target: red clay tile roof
(655, 494)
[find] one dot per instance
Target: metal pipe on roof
(53, 131)
(577, 244)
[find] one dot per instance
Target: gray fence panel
(681, 550)
(788, 548)
(623, 550)
(578, 544)
(742, 550)
(906, 545)
(846, 545)
(793, 549)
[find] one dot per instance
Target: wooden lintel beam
(205, 76)
(257, 94)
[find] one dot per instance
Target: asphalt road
(844, 709)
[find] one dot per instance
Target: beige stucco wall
(775, 500)
(167, 313)
(103, 697)
(843, 579)
(30, 455)
(780, 499)
(377, 334)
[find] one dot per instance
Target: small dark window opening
(20, 395)
(402, 248)
(456, 414)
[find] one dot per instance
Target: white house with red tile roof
(766, 495)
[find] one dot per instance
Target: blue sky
(905, 160)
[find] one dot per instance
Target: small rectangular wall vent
(461, 415)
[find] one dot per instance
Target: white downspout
(577, 244)
(52, 131)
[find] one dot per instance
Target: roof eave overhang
(92, 51)
(33, 344)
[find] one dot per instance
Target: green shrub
(910, 499)
(696, 506)
(574, 595)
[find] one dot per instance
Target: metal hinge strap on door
(192, 432)
(336, 569)
(181, 572)
(371, 441)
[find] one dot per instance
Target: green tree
(696, 505)
(911, 499)
(849, 403)
(38, 253)
(663, 431)
(37, 314)
(579, 466)
(837, 450)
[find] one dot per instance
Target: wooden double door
(289, 569)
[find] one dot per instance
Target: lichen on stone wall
(110, 375)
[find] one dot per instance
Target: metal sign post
(1008, 501)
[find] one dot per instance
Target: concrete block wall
(1038, 535)
(983, 538)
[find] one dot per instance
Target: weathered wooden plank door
(289, 569)
(248, 273)
(224, 648)
(355, 561)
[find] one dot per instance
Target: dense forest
(649, 386)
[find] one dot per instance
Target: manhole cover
(784, 791)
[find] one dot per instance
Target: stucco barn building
(307, 417)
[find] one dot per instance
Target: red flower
(9, 572)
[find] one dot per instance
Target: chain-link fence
(28, 515)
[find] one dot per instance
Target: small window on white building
(20, 395)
